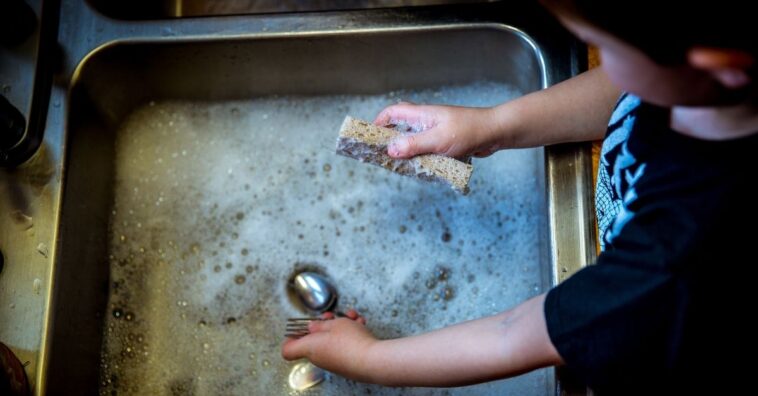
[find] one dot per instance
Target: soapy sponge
(366, 142)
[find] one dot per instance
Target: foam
(217, 203)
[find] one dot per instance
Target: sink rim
(115, 44)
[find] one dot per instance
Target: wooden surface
(594, 61)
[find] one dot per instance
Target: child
(664, 308)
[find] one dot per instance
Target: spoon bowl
(314, 291)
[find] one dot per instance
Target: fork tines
(298, 327)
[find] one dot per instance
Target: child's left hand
(338, 345)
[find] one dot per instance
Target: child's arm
(575, 110)
(499, 346)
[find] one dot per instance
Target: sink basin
(199, 176)
(206, 191)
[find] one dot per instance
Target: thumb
(407, 146)
(293, 349)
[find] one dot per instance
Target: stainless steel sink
(118, 72)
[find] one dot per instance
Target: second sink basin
(154, 9)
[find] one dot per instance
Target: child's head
(681, 53)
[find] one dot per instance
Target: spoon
(314, 291)
(305, 375)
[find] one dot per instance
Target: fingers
(352, 314)
(402, 111)
(320, 325)
(327, 315)
(422, 118)
(318, 333)
(296, 348)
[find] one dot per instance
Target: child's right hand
(448, 130)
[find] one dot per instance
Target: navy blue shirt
(666, 307)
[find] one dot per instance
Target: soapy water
(217, 205)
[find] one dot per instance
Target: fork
(298, 327)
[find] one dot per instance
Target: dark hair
(665, 30)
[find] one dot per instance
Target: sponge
(366, 142)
